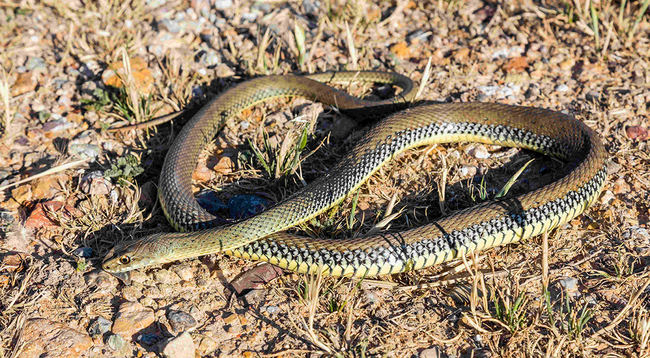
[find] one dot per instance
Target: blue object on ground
(210, 202)
(243, 206)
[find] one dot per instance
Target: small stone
(433, 352)
(6, 218)
(202, 173)
(224, 71)
(567, 64)
(621, 187)
(467, 171)
(35, 63)
(184, 272)
(84, 252)
(210, 58)
(207, 345)
(44, 337)
(516, 64)
(222, 4)
(592, 96)
(179, 347)
(102, 280)
(562, 88)
(637, 133)
(169, 25)
(181, 321)
(22, 193)
(118, 344)
(607, 197)
(148, 339)
(272, 309)
(310, 7)
(24, 83)
(462, 54)
(401, 50)
(477, 151)
(100, 326)
(165, 277)
(570, 286)
(249, 16)
(48, 213)
(57, 125)
(141, 75)
(94, 183)
(44, 188)
(131, 318)
(230, 318)
(84, 150)
(224, 165)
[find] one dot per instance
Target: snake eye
(125, 260)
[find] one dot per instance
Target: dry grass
(508, 302)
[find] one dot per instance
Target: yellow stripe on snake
(263, 236)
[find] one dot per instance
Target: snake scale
(263, 236)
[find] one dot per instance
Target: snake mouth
(124, 277)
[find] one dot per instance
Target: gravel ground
(71, 186)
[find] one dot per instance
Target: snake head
(131, 255)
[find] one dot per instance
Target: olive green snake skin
(263, 236)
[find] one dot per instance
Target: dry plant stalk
(4, 97)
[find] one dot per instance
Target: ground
(71, 72)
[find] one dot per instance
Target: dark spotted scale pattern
(262, 237)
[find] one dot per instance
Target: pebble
(570, 286)
(102, 280)
(131, 318)
(272, 309)
(24, 83)
(118, 344)
(607, 197)
(477, 151)
(57, 125)
(86, 151)
(184, 272)
(592, 96)
(6, 218)
(41, 337)
(100, 326)
(433, 352)
(224, 165)
(207, 345)
(181, 321)
(222, 4)
(84, 252)
(94, 183)
(210, 58)
(561, 88)
(179, 347)
(249, 16)
(165, 277)
(468, 171)
(311, 7)
(35, 63)
(148, 339)
(170, 25)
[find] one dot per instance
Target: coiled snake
(262, 237)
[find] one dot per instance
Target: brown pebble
(24, 83)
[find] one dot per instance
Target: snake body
(262, 237)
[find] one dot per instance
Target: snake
(405, 125)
